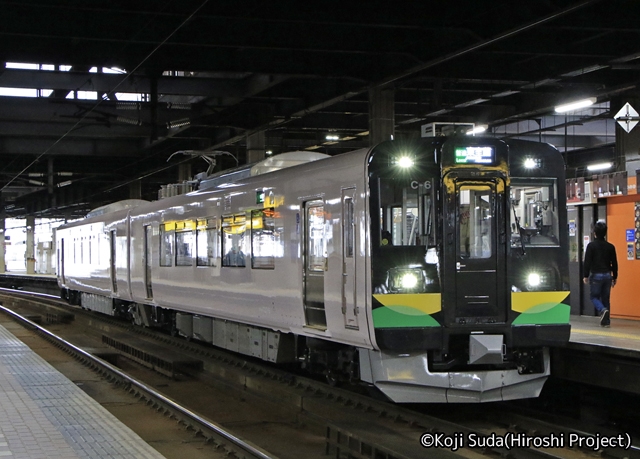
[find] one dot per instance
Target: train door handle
(460, 265)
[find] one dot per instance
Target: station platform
(24, 273)
(602, 357)
(623, 334)
(45, 415)
(42, 283)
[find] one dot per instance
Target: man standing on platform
(601, 271)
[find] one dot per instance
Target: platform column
(381, 115)
(29, 255)
(2, 247)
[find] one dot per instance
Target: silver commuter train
(353, 266)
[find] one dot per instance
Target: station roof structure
(96, 97)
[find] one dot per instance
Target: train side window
(265, 239)
(184, 243)
(348, 228)
(234, 244)
(167, 231)
(534, 212)
(317, 241)
(407, 212)
(207, 242)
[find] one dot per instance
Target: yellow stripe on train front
(427, 303)
(522, 301)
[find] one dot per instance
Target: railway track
(221, 437)
(338, 422)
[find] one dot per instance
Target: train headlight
(539, 280)
(405, 162)
(534, 280)
(408, 280)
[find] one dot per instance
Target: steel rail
(235, 444)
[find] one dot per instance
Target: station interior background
(15, 243)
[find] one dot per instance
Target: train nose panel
(406, 378)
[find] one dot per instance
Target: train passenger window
(233, 241)
(184, 243)
(167, 231)
(317, 242)
(207, 242)
(348, 227)
(474, 216)
(534, 212)
(265, 239)
(407, 212)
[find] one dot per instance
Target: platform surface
(45, 415)
(623, 334)
(23, 273)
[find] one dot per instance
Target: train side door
(314, 264)
(477, 253)
(112, 258)
(147, 260)
(349, 297)
(61, 261)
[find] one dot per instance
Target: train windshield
(406, 212)
(534, 213)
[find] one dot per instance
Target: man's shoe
(604, 318)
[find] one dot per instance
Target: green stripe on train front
(403, 310)
(539, 308)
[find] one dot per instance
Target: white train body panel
(270, 298)
(80, 268)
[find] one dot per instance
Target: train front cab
(469, 288)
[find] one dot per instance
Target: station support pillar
(29, 251)
(255, 147)
(3, 266)
(381, 114)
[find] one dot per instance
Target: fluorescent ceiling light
(439, 112)
(585, 70)
(477, 129)
(537, 84)
(505, 93)
(471, 102)
(576, 105)
(599, 166)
